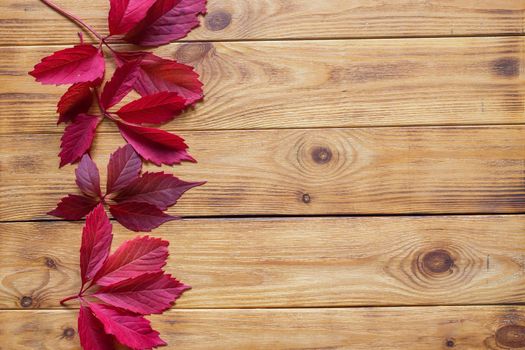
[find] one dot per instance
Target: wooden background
(366, 168)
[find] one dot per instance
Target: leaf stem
(63, 301)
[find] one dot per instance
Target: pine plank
(414, 328)
(305, 84)
(299, 262)
(296, 172)
(24, 22)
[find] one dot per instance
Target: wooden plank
(24, 22)
(307, 262)
(319, 171)
(295, 84)
(417, 328)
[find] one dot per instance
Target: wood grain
(296, 84)
(309, 262)
(414, 328)
(24, 22)
(295, 172)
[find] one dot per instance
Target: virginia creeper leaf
(157, 146)
(158, 189)
(91, 332)
(128, 328)
(74, 207)
(153, 109)
(76, 100)
(165, 21)
(121, 83)
(151, 293)
(77, 138)
(133, 258)
(88, 177)
(138, 216)
(125, 14)
(76, 64)
(123, 168)
(96, 243)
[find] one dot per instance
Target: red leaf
(77, 99)
(73, 207)
(158, 74)
(76, 64)
(88, 177)
(138, 216)
(120, 84)
(123, 168)
(158, 189)
(133, 258)
(125, 14)
(146, 294)
(77, 138)
(157, 146)
(96, 243)
(91, 332)
(129, 329)
(165, 21)
(153, 109)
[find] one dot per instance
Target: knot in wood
(50, 263)
(68, 333)
(511, 336)
(26, 301)
(321, 155)
(218, 20)
(306, 198)
(450, 343)
(192, 52)
(437, 261)
(506, 67)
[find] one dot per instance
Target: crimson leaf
(77, 138)
(88, 177)
(165, 21)
(76, 100)
(91, 332)
(76, 64)
(153, 109)
(74, 207)
(120, 84)
(138, 216)
(123, 168)
(125, 14)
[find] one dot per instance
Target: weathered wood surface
(296, 84)
(317, 171)
(412, 328)
(295, 262)
(24, 22)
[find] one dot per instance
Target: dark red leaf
(128, 328)
(137, 216)
(158, 74)
(77, 138)
(165, 21)
(91, 332)
(88, 177)
(73, 207)
(125, 14)
(133, 258)
(120, 84)
(150, 293)
(153, 109)
(157, 146)
(77, 99)
(123, 168)
(96, 243)
(77, 64)
(158, 189)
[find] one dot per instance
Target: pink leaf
(88, 177)
(137, 216)
(158, 189)
(125, 14)
(165, 21)
(77, 64)
(120, 84)
(96, 243)
(77, 138)
(158, 74)
(91, 332)
(133, 258)
(73, 207)
(157, 146)
(146, 294)
(77, 99)
(153, 109)
(123, 168)
(129, 329)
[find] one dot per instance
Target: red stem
(63, 301)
